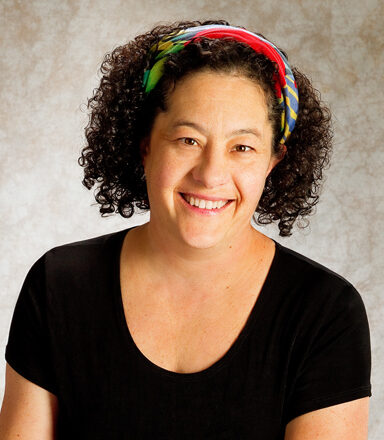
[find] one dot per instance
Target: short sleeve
(28, 348)
(337, 365)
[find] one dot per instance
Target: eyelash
(240, 145)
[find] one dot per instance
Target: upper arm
(28, 411)
(344, 421)
(331, 360)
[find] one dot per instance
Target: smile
(204, 204)
(207, 207)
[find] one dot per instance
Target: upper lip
(202, 197)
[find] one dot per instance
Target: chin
(200, 238)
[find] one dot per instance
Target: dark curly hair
(121, 114)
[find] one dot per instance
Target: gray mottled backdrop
(50, 53)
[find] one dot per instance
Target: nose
(213, 168)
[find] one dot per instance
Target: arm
(28, 411)
(344, 421)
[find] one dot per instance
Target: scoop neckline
(228, 355)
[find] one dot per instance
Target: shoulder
(80, 254)
(315, 289)
(301, 268)
(87, 245)
(327, 320)
(77, 261)
(74, 275)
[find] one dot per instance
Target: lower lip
(205, 211)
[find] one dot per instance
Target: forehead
(216, 98)
(217, 86)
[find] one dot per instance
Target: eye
(190, 139)
(245, 146)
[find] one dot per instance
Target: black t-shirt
(305, 346)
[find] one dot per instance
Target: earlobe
(283, 151)
(143, 149)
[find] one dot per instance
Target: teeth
(205, 204)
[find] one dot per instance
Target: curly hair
(121, 115)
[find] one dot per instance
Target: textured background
(50, 54)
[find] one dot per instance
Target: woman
(194, 324)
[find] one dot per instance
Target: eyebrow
(182, 122)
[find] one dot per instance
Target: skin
(208, 164)
(208, 160)
(202, 252)
(347, 420)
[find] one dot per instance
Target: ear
(144, 148)
(276, 158)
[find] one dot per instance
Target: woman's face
(214, 141)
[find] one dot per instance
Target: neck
(182, 270)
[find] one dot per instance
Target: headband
(285, 85)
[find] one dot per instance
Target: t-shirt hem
(326, 401)
(27, 374)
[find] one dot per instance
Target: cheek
(164, 173)
(252, 186)
(253, 181)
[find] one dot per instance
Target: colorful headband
(286, 89)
